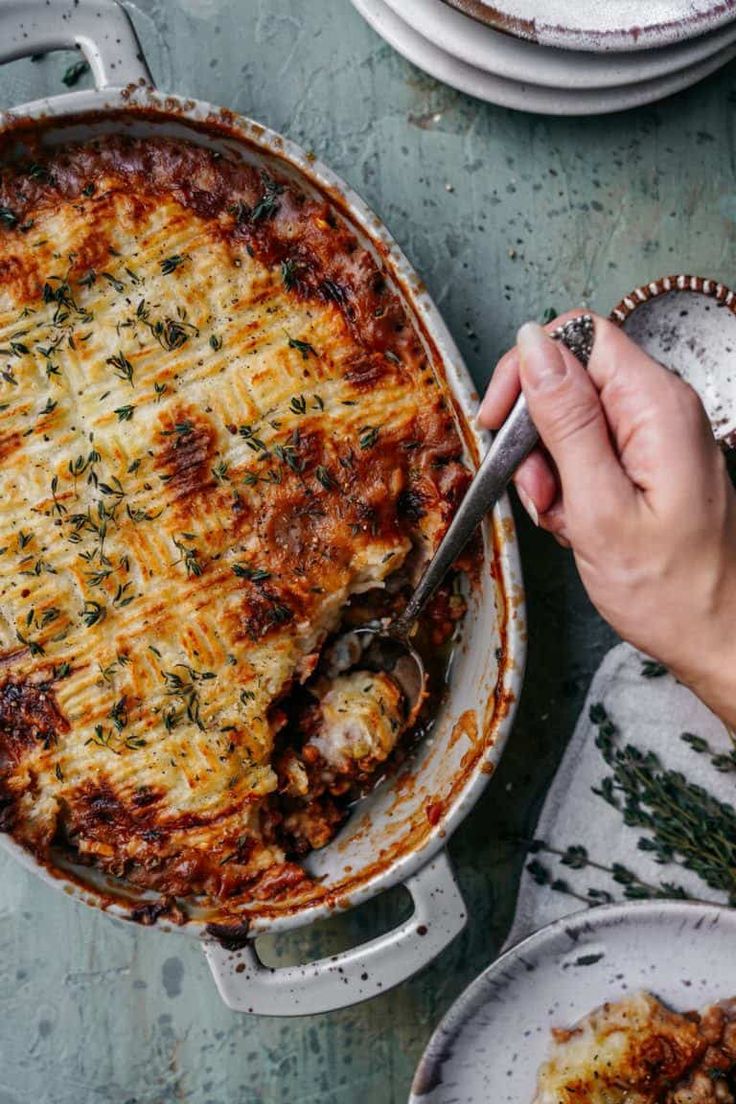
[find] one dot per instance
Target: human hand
(631, 478)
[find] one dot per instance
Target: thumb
(567, 412)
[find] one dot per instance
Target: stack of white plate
(561, 57)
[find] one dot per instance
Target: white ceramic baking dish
(398, 833)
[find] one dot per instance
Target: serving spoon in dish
(387, 646)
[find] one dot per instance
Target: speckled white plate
(528, 96)
(602, 24)
(490, 1045)
(519, 60)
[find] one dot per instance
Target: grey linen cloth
(652, 711)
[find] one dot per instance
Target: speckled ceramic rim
(113, 52)
(596, 920)
(645, 37)
(516, 59)
(518, 95)
(701, 284)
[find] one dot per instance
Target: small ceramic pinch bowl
(688, 323)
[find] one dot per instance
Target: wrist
(710, 670)
(717, 689)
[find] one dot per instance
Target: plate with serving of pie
(625, 1004)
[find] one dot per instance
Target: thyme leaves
(8, 219)
(254, 574)
(170, 264)
(302, 347)
(112, 739)
(725, 762)
(186, 687)
(267, 205)
(93, 613)
(190, 558)
(288, 274)
(74, 72)
(33, 646)
(681, 823)
(651, 669)
(368, 436)
(122, 367)
(138, 514)
(323, 476)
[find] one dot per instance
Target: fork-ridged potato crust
(638, 1051)
(216, 424)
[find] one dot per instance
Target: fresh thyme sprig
(683, 821)
(122, 366)
(190, 557)
(185, 687)
(576, 857)
(725, 762)
(112, 739)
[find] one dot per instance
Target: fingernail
(528, 505)
(542, 363)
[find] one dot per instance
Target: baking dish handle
(246, 984)
(101, 29)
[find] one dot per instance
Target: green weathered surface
(504, 215)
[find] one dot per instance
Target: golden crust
(637, 1051)
(216, 425)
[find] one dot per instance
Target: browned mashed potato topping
(637, 1051)
(221, 438)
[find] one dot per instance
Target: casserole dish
(397, 833)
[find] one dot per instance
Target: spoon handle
(512, 444)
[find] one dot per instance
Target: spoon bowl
(381, 648)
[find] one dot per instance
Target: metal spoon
(387, 647)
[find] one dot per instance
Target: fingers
(646, 407)
(571, 423)
(643, 404)
(538, 488)
(611, 431)
(502, 392)
(536, 484)
(552, 520)
(565, 407)
(555, 522)
(504, 388)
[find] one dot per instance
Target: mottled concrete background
(504, 215)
